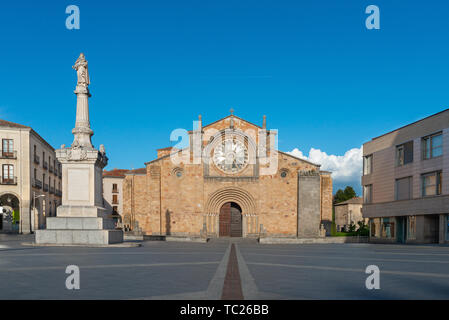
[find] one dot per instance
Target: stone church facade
(230, 181)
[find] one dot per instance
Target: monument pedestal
(81, 219)
(79, 230)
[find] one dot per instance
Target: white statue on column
(81, 219)
(82, 71)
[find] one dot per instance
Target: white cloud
(345, 168)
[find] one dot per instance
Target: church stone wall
(174, 199)
(326, 202)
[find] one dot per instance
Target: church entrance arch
(230, 220)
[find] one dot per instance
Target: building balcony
(114, 190)
(60, 174)
(6, 154)
(52, 190)
(56, 172)
(50, 169)
(37, 183)
(58, 193)
(45, 164)
(36, 159)
(45, 187)
(8, 180)
(114, 201)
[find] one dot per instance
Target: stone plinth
(79, 230)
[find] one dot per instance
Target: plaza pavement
(172, 270)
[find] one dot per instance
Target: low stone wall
(186, 239)
(326, 240)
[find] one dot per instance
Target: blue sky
(323, 80)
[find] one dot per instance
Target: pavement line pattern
(215, 288)
(249, 287)
(347, 258)
(401, 273)
(232, 288)
(106, 266)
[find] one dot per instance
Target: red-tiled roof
(4, 123)
(115, 173)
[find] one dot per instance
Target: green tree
(343, 195)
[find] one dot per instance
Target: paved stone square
(182, 270)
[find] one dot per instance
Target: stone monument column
(81, 219)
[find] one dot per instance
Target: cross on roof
(232, 111)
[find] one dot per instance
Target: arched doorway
(230, 220)
(10, 215)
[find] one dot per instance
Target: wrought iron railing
(8, 180)
(8, 154)
(37, 183)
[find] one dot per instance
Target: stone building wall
(181, 199)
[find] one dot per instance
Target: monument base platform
(79, 231)
(80, 237)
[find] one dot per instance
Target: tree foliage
(343, 195)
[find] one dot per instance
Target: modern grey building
(406, 183)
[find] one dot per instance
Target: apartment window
(432, 146)
(8, 147)
(403, 188)
(404, 153)
(8, 173)
(388, 227)
(367, 164)
(114, 199)
(431, 183)
(411, 227)
(114, 209)
(114, 187)
(368, 193)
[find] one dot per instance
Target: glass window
(375, 224)
(367, 164)
(368, 193)
(432, 146)
(411, 227)
(431, 184)
(400, 155)
(388, 228)
(8, 145)
(404, 153)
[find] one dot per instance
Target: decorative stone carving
(82, 71)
